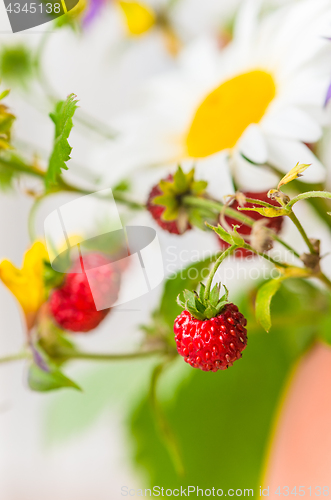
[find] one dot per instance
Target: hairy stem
(301, 230)
(267, 257)
(213, 271)
(14, 357)
(309, 194)
(216, 207)
(72, 355)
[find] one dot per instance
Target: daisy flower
(259, 101)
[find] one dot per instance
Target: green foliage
(172, 191)
(223, 421)
(44, 375)
(16, 64)
(7, 177)
(267, 211)
(263, 301)
(232, 239)
(52, 279)
(188, 278)
(201, 307)
(62, 118)
(41, 380)
(6, 121)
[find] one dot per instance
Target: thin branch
(303, 233)
(14, 357)
(72, 355)
(307, 195)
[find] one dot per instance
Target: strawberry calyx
(172, 190)
(202, 307)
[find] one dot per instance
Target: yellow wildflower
(139, 17)
(27, 284)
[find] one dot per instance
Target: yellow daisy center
(227, 111)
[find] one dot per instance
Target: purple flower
(93, 9)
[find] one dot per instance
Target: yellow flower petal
(227, 111)
(27, 284)
(139, 17)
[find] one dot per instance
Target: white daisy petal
(292, 123)
(285, 154)
(252, 144)
(251, 177)
(247, 22)
(215, 170)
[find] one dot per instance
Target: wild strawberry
(157, 211)
(72, 305)
(274, 223)
(165, 201)
(210, 333)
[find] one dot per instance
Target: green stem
(14, 357)
(72, 355)
(301, 230)
(166, 432)
(259, 202)
(267, 257)
(217, 206)
(309, 194)
(213, 271)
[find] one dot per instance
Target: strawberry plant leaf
(181, 181)
(62, 118)
(263, 301)
(202, 291)
(41, 380)
(237, 239)
(266, 211)
(214, 295)
(224, 235)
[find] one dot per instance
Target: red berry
(274, 223)
(73, 306)
(157, 212)
(213, 344)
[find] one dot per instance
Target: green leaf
(237, 239)
(224, 235)
(266, 211)
(62, 118)
(7, 177)
(188, 278)
(43, 381)
(202, 292)
(263, 301)
(181, 181)
(4, 94)
(198, 187)
(214, 295)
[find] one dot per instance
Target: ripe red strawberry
(72, 305)
(210, 339)
(274, 223)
